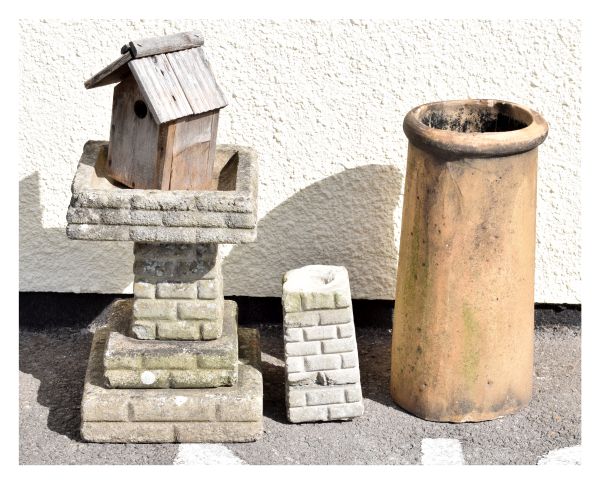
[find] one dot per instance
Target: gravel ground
(53, 363)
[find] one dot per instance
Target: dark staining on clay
(472, 119)
(471, 350)
(464, 407)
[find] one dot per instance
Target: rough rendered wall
(323, 103)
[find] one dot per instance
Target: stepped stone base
(224, 414)
(134, 363)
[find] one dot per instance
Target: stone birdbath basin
(171, 365)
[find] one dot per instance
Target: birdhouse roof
(172, 73)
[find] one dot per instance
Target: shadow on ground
(58, 360)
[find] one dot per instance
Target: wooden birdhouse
(165, 114)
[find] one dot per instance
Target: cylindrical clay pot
(462, 343)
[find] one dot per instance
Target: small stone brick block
(144, 290)
(353, 394)
(345, 411)
(144, 329)
(320, 333)
(301, 349)
(292, 303)
(316, 300)
(336, 316)
(174, 290)
(301, 377)
(307, 414)
(200, 309)
(325, 397)
(349, 360)
(342, 345)
(294, 364)
(321, 357)
(209, 289)
(345, 330)
(154, 309)
(211, 329)
(299, 320)
(178, 330)
(293, 335)
(339, 377)
(322, 362)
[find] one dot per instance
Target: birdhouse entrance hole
(140, 109)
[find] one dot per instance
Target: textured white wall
(323, 103)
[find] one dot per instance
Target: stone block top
(316, 287)
(102, 209)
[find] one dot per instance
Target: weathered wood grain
(114, 72)
(192, 163)
(165, 154)
(213, 147)
(162, 45)
(160, 88)
(197, 81)
(132, 153)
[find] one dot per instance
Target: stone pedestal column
(178, 292)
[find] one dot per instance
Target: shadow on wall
(73, 266)
(346, 219)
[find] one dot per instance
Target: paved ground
(52, 367)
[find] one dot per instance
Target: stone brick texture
(321, 356)
(225, 414)
(178, 292)
(100, 210)
(133, 363)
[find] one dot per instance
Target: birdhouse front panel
(133, 150)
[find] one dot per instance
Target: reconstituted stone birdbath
(171, 365)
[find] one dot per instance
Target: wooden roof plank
(161, 88)
(162, 45)
(114, 72)
(197, 80)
